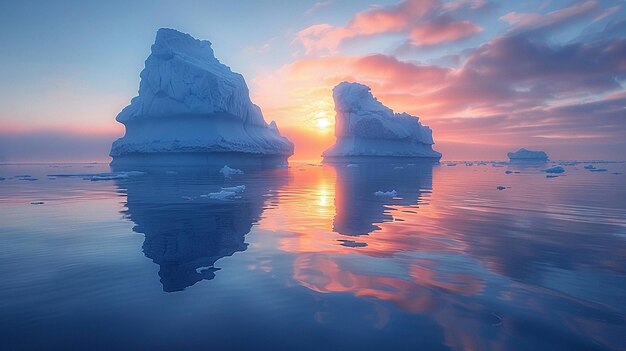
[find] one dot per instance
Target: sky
(487, 76)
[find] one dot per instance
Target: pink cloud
(427, 22)
(524, 20)
(442, 30)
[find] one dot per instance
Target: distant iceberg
(366, 127)
(193, 109)
(527, 155)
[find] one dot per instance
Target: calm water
(308, 258)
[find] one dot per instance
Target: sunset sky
(487, 76)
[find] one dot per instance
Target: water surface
(309, 258)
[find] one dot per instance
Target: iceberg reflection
(185, 230)
(364, 191)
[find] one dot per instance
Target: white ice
(366, 127)
(391, 193)
(191, 103)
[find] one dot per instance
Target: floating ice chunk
(228, 172)
(598, 170)
(391, 193)
(555, 169)
(29, 179)
(2, 178)
(508, 172)
(37, 203)
(500, 187)
(451, 164)
(551, 176)
(236, 189)
(222, 195)
(188, 198)
(589, 167)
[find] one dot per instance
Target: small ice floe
(235, 189)
(598, 170)
(221, 195)
(37, 203)
(552, 176)
(589, 167)
(451, 164)
(555, 169)
(2, 178)
(351, 243)
(30, 179)
(188, 198)
(508, 172)
(616, 173)
(501, 187)
(228, 172)
(391, 193)
(352, 165)
(468, 164)
(52, 178)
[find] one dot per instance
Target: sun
(322, 123)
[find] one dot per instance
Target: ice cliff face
(366, 127)
(527, 155)
(189, 102)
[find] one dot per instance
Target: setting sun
(322, 123)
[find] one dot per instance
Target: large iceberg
(366, 127)
(527, 155)
(192, 108)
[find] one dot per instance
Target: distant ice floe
(551, 176)
(391, 193)
(508, 172)
(2, 178)
(37, 203)
(228, 172)
(555, 169)
(592, 168)
(500, 187)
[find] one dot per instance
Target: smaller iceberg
(528, 155)
(364, 127)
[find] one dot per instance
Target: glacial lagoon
(399, 256)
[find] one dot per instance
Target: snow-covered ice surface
(366, 127)
(527, 155)
(193, 106)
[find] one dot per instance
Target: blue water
(308, 258)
